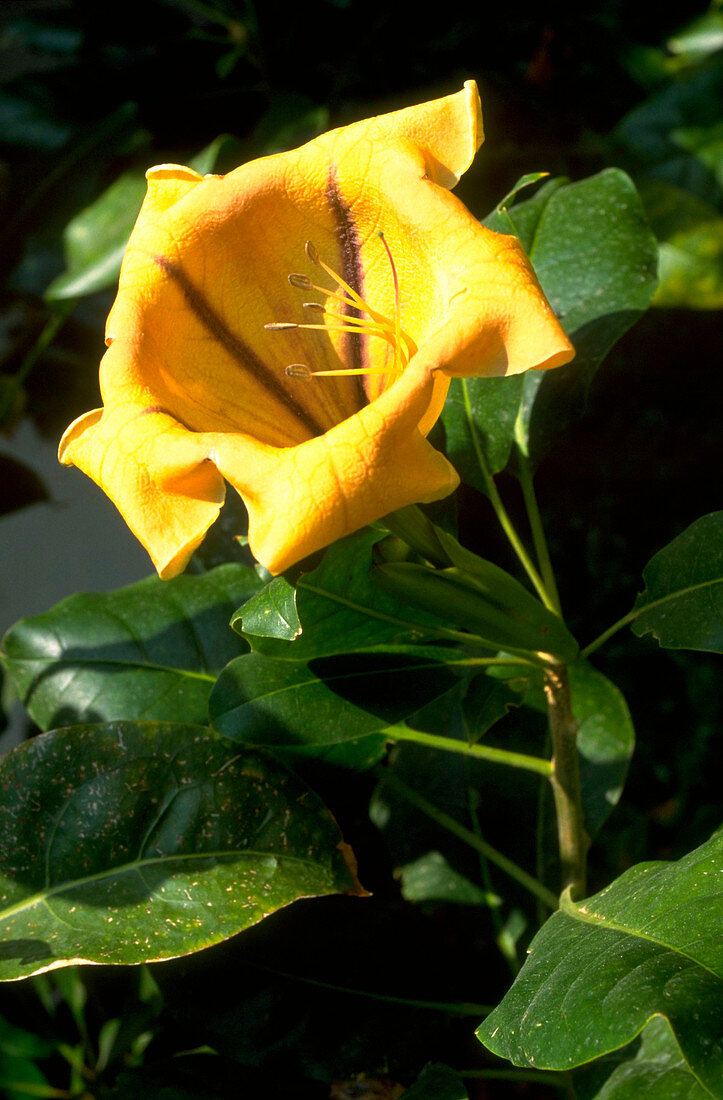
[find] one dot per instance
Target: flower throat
(365, 321)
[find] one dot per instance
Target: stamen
(361, 319)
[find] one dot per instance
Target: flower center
(363, 320)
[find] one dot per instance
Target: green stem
(46, 337)
(572, 839)
(482, 752)
(453, 1008)
(626, 619)
(453, 826)
(501, 511)
(538, 531)
(484, 866)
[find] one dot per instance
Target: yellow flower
(305, 375)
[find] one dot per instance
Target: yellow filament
(374, 324)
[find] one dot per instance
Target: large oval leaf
(133, 842)
(682, 605)
(263, 701)
(596, 258)
(151, 650)
(600, 970)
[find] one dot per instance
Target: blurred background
(93, 94)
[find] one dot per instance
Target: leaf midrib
(573, 912)
(315, 680)
(42, 897)
(640, 609)
(94, 662)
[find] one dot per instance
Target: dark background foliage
(88, 91)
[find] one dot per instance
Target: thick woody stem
(565, 779)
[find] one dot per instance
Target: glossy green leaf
(151, 650)
(131, 842)
(431, 879)
(690, 232)
(263, 701)
(341, 609)
(596, 259)
(600, 970)
(682, 605)
(271, 613)
(436, 1082)
(656, 1070)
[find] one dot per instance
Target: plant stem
(453, 826)
(452, 1008)
(501, 511)
(482, 752)
(538, 531)
(52, 326)
(629, 618)
(565, 779)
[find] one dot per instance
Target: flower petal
(303, 498)
(156, 473)
(448, 130)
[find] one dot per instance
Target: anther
(280, 326)
(297, 370)
(314, 307)
(311, 252)
(302, 281)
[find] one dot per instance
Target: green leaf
(690, 232)
(656, 1070)
(436, 1082)
(151, 650)
(478, 596)
(682, 605)
(596, 260)
(701, 37)
(341, 609)
(605, 744)
(133, 842)
(18, 1043)
(651, 133)
(263, 701)
(600, 970)
(271, 613)
(21, 1078)
(431, 879)
(95, 239)
(485, 703)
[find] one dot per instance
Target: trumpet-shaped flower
(292, 327)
